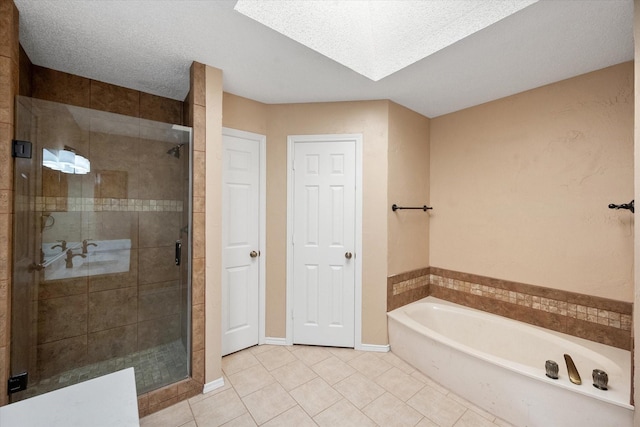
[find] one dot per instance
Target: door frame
(301, 139)
(262, 234)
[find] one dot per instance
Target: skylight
(379, 37)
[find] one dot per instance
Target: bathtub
(498, 364)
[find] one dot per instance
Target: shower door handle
(35, 267)
(178, 252)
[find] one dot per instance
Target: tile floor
(307, 386)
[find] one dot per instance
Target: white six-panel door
(324, 243)
(240, 240)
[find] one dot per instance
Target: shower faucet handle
(69, 259)
(86, 244)
(62, 245)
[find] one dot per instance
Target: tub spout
(574, 376)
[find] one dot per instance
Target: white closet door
(324, 243)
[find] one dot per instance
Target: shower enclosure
(101, 265)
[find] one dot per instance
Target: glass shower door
(101, 239)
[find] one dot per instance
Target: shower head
(175, 151)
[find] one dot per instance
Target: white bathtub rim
(613, 396)
(605, 353)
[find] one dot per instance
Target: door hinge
(17, 383)
(21, 149)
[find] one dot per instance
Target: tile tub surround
(405, 288)
(594, 318)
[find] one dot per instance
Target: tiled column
(9, 71)
(198, 103)
(194, 116)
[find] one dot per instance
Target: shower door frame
(35, 189)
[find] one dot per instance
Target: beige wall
(279, 121)
(244, 114)
(213, 225)
(636, 319)
(370, 119)
(408, 185)
(520, 186)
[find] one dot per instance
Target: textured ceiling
(149, 46)
(378, 38)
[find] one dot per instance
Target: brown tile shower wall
(9, 72)
(95, 318)
(52, 85)
(99, 318)
(82, 327)
(593, 318)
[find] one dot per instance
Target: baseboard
(215, 384)
(363, 347)
(275, 341)
(373, 347)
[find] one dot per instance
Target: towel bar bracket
(395, 207)
(629, 206)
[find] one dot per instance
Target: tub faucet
(62, 245)
(85, 245)
(69, 258)
(574, 376)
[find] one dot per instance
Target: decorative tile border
(593, 318)
(410, 284)
(576, 311)
(408, 287)
(90, 204)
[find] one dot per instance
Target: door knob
(253, 254)
(348, 255)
